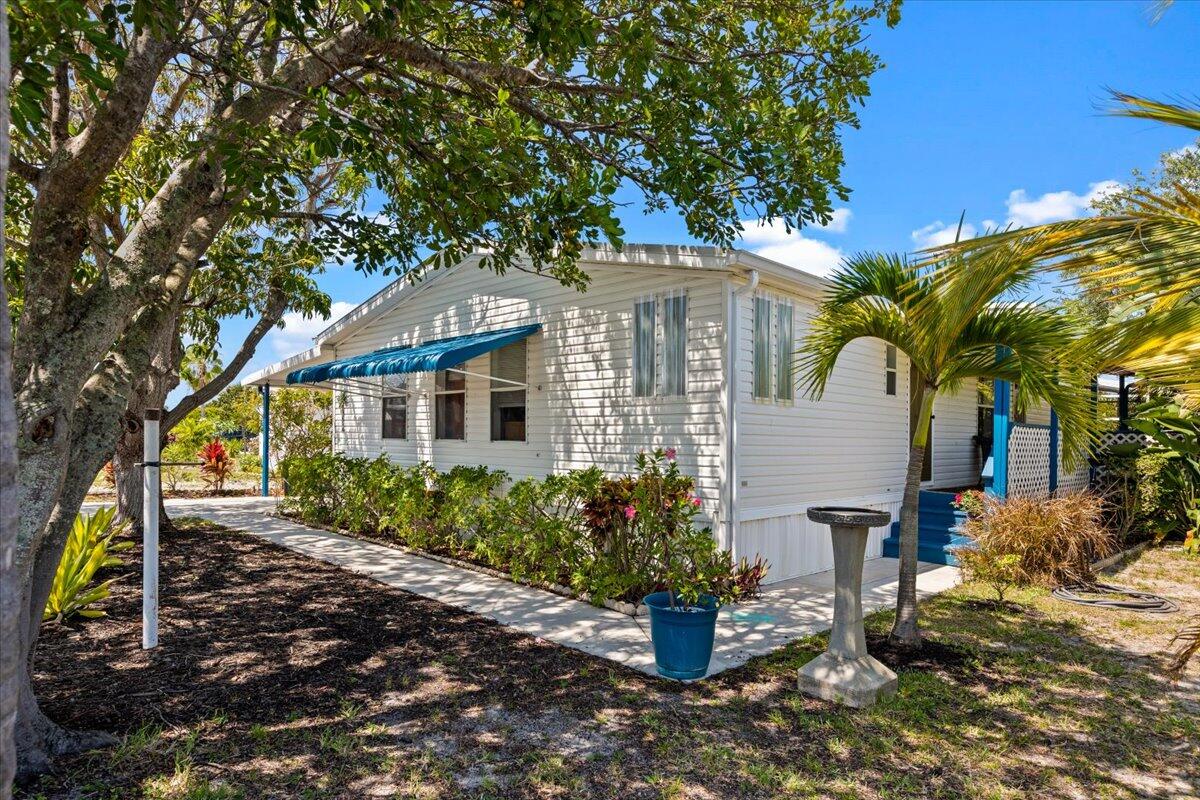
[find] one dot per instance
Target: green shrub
(1053, 540)
(89, 549)
(574, 529)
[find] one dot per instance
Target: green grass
(1030, 698)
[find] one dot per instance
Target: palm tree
(1147, 254)
(952, 330)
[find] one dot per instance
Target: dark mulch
(258, 632)
(282, 677)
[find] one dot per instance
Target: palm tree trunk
(905, 631)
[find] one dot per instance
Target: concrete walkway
(786, 611)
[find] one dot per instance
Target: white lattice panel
(1111, 438)
(1029, 461)
(1075, 481)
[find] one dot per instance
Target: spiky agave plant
(90, 548)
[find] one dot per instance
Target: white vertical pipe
(150, 491)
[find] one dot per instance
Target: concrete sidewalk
(785, 611)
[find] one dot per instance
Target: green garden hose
(1100, 595)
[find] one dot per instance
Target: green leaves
(89, 549)
(956, 324)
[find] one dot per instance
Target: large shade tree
(971, 325)
(504, 125)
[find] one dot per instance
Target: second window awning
(427, 357)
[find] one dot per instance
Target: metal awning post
(150, 498)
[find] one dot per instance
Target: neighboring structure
(684, 347)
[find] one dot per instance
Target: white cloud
(298, 331)
(772, 240)
(1054, 206)
(939, 233)
(838, 222)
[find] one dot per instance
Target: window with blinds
(644, 347)
(395, 406)
(674, 378)
(762, 347)
(891, 358)
(660, 342)
(450, 404)
(785, 347)
(509, 372)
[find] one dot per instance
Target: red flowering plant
(216, 465)
(971, 502)
(684, 559)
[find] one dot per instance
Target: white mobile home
(684, 347)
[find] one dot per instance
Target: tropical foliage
(1050, 541)
(604, 538)
(953, 327)
(215, 464)
(1144, 254)
(90, 548)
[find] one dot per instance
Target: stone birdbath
(846, 673)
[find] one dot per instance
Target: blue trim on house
(996, 479)
(428, 357)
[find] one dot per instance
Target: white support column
(150, 493)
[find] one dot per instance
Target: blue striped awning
(427, 357)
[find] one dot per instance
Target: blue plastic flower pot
(683, 640)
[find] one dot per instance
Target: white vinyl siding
(580, 407)
(848, 448)
(955, 452)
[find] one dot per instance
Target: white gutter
(731, 384)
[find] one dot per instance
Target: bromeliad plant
(90, 548)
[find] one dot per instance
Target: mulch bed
(279, 676)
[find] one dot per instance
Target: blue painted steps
(938, 531)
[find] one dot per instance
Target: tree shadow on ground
(279, 676)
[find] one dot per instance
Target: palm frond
(1166, 113)
(839, 324)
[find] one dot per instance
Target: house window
(395, 406)
(785, 349)
(644, 312)
(509, 370)
(674, 378)
(660, 346)
(762, 347)
(450, 404)
(889, 369)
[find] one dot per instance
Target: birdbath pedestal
(845, 673)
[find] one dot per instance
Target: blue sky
(988, 107)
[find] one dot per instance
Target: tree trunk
(150, 391)
(905, 631)
(10, 596)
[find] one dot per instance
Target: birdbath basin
(846, 673)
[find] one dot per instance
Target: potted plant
(695, 576)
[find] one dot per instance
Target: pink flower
(670, 453)
(696, 501)
(630, 512)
